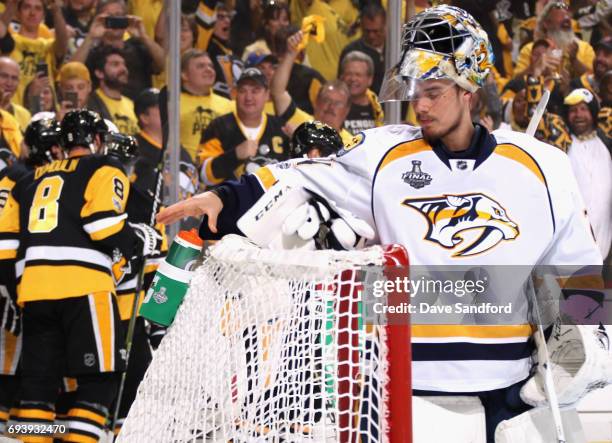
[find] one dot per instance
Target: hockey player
(62, 227)
(451, 193)
(314, 139)
(42, 142)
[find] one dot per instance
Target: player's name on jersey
(68, 165)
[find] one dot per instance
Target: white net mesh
(264, 348)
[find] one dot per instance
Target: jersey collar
(481, 147)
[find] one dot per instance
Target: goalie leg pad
(537, 426)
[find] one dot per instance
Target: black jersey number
(118, 188)
(44, 210)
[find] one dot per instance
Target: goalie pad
(537, 426)
(461, 419)
(581, 362)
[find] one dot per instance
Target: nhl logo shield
(416, 178)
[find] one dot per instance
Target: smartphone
(72, 98)
(113, 22)
(42, 68)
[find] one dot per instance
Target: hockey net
(270, 346)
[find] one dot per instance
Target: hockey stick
(139, 282)
(549, 385)
(537, 115)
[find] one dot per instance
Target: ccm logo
(269, 205)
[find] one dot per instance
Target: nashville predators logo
(467, 224)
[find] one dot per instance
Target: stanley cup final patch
(416, 177)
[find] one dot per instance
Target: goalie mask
(439, 43)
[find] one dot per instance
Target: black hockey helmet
(123, 147)
(80, 127)
(311, 135)
(40, 136)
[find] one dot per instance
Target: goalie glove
(10, 312)
(327, 225)
(149, 240)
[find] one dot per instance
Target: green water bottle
(172, 278)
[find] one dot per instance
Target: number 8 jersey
(63, 224)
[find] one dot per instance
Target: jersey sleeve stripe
(105, 223)
(207, 175)
(473, 331)
(7, 245)
(265, 177)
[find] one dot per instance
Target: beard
(563, 39)
(115, 82)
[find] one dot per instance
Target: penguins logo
(468, 224)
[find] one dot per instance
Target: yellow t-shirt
(121, 111)
(9, 129)
(585, 55)
(149, 11)
(197, 111)
(324, 56)
(22, 115)
(27, 53)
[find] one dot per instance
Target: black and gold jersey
(8, 177)
(62, 224)
(217, 153)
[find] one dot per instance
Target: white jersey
(516, 204)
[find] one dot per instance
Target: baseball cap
(256, 58)
(253, 74)
(578, 96)
(145, 100)
(74, 70)
(604, 43)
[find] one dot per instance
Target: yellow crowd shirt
(121, 111)
(197, 111)
(28, 52)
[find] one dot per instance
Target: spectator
(149, 11)
(304, 81)
(544, 68)
(332, 104)
(601, 64)
(275, 17)
(79, 15)
(526, 96)
(9, 80)
(10, 136)
(112, 74)
(28, 48)
(144, 57)
(74, 82)
(325, 56)
(554, 23)
(592, 164)
(199, 104)
(43, 100)
(227, 65)
(149, 138)
(357, 71)
(372, 41)
(243, 141)
(267, 64)
(189, 33)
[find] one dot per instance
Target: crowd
(253, 71)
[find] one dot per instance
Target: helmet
(80, 127)
(444, 42)
(123, 147)
(40, 136)
(310, 135)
